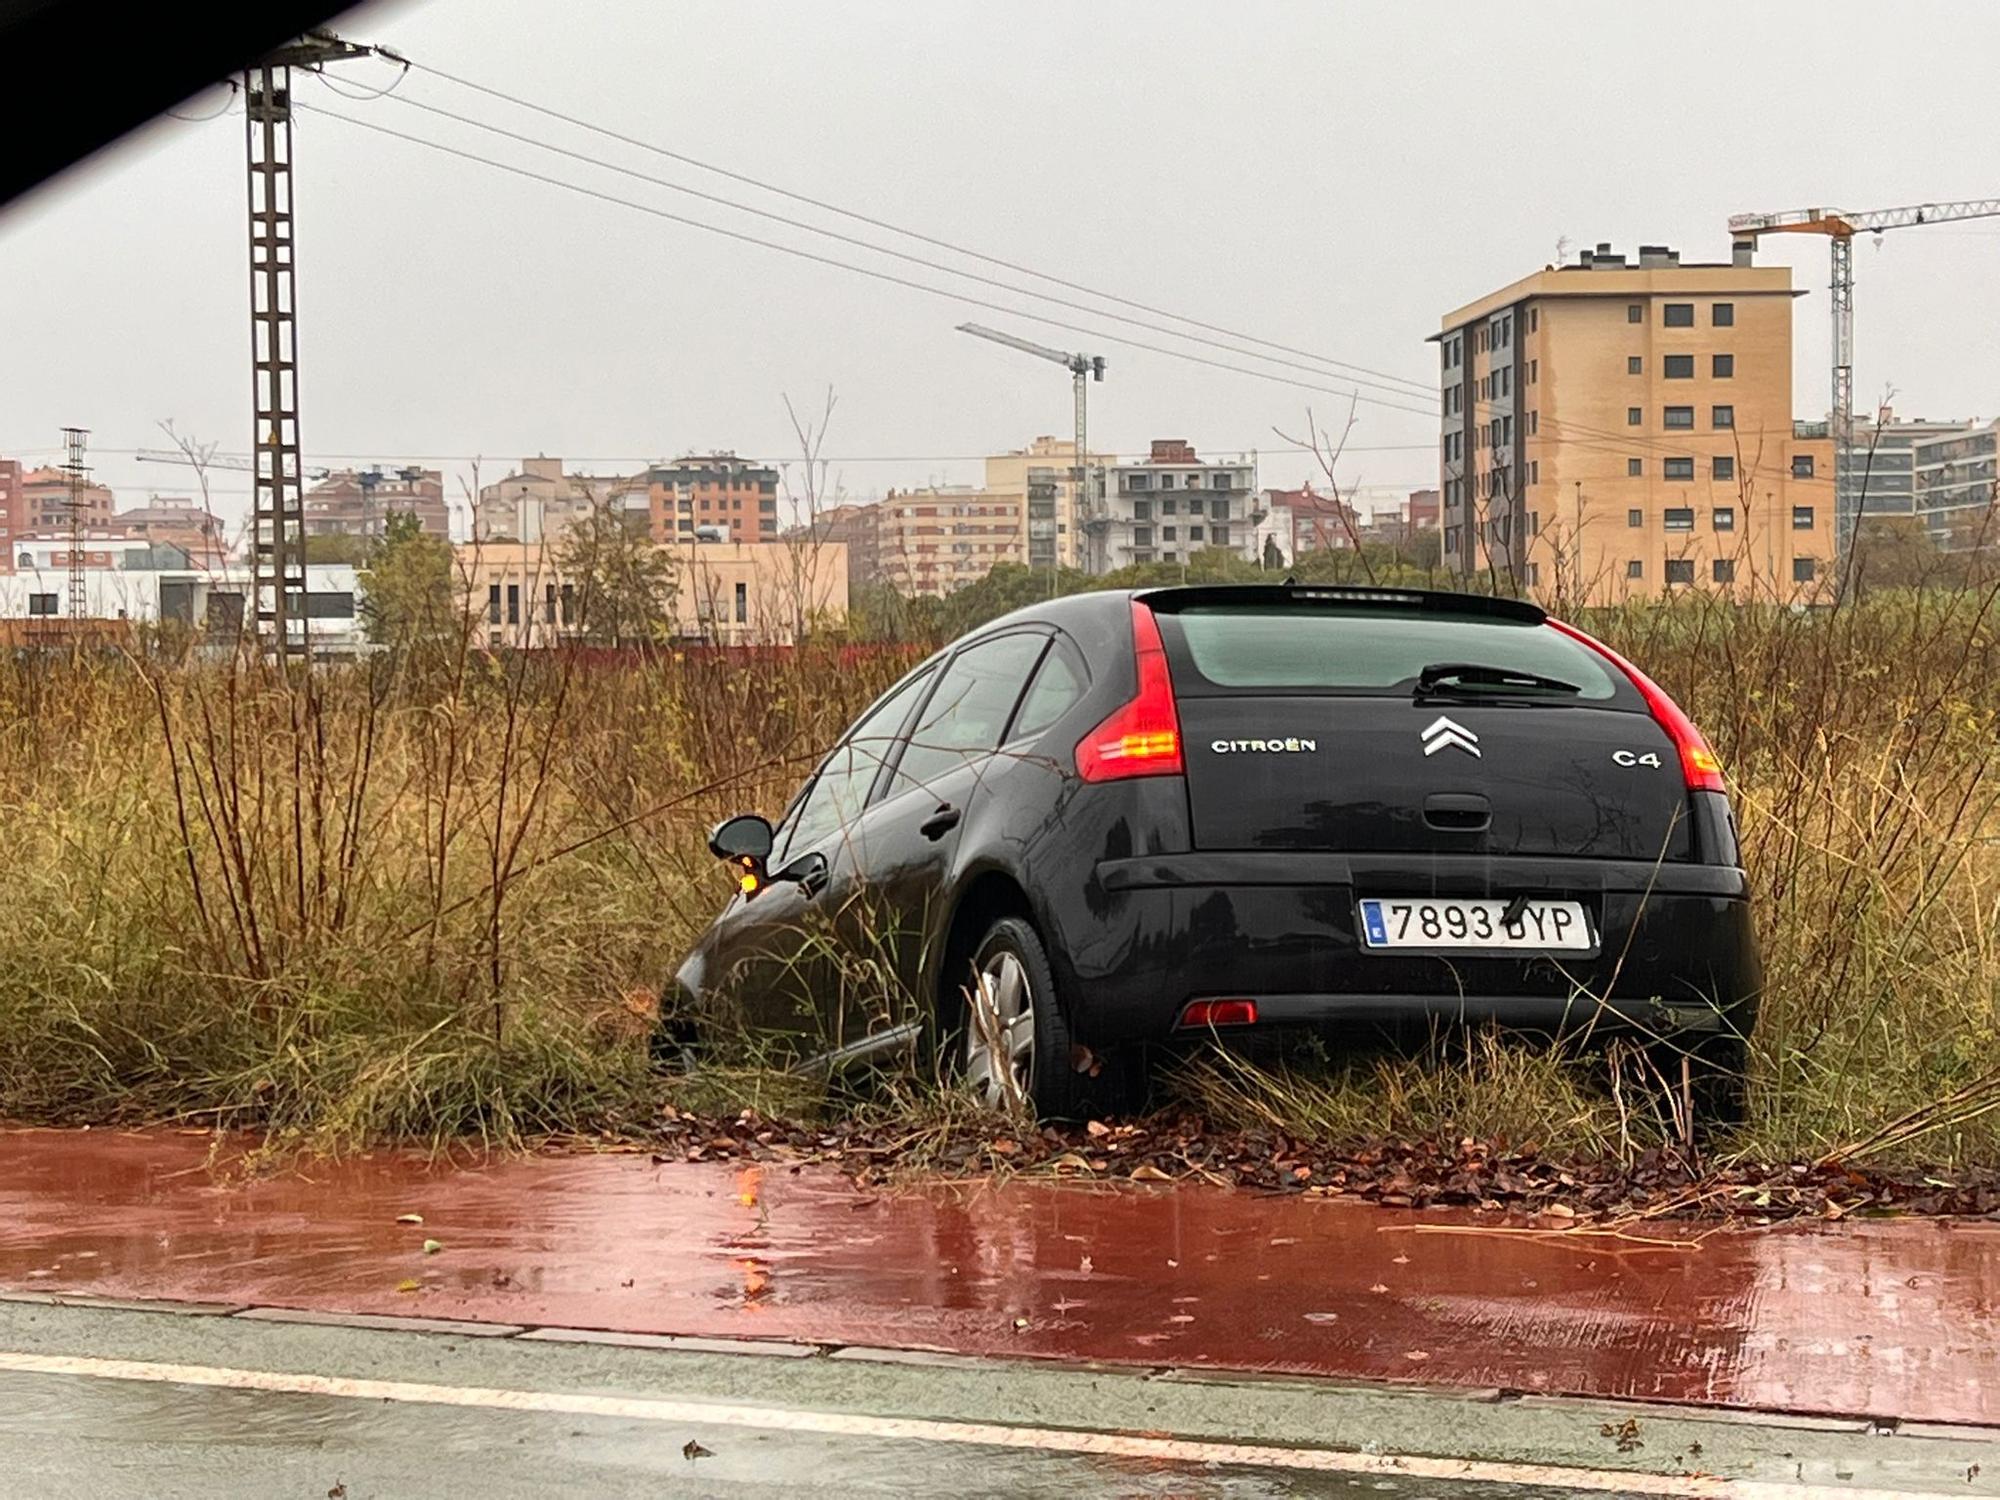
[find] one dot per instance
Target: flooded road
(1891, 1318)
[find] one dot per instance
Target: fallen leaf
(431, 1247)
(1020, 1323)
(411, 1285)
(338, 1492)
(1378, 1288)
(1147, 1172)
(1084, 1265)
(1401, 1260)
(691, 1450)
(409, 1218)
(1097, 1128)
(1415, 1354)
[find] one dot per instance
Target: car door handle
(941, 822)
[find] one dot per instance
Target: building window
(41, 604)
(1170, 507)
(513, 604)
(1635, 517)
(1142, 536)
(1680, 367)
(1166, 481)
(492, 604)
(1194, 533)
(1680, 570)
(1722, 467)
(1723, 570)
(1802, 518)
(1802, 466)
(742, 603)
(1635, 312)
(1722, 366)
(1534, 371)
(1222, 482)
(1724, 518)
(1219, 508)
(1677, 468)
(1722, 416)
(1138, 481)
(1677, 417)
(1680, 314)
(1142, 510)
(1219, 535)
(1634, 467)
(1635, 569)
(1724, 315)
(1678, 518)
(1534, 423)
(1634, 365)
(1634, 416)
(1194, 506)
(1534, 471)
(1169, 534)
(549, 603)
(1802, 570)
(1534, 319)
(568, 603)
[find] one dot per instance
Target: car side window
(837, 793)
(968, 713)
(1059, 682)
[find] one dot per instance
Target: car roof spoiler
(1430, 601)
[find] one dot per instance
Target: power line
(893, 228)
(873, 273)
(1397, 389)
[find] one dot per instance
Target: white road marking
(930, 1430)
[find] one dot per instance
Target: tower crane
(1084, 368)
(213, 461)
(1840, 226)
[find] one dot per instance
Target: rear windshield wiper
(1470, 678)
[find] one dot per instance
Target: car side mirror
(745, 842)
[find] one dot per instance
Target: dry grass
(435, 899)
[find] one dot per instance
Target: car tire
(1026, 1021)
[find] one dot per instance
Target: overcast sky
(1329, 177)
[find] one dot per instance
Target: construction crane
(1840, 226)
(1083, 368)
(213, 461)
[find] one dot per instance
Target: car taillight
(1142, 737)
(1699, 766)
(1203, 1014)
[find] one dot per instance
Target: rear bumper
(1677, 950)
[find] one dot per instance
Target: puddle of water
(1880, 1317)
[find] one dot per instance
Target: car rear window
(1371, 649)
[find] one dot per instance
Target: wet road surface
(107, 1403)
(1893, 1319)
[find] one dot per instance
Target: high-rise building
(12, 521)
(702, 494)
(1615, 430)
(937, 540)
(1955, 490)
(45, 500)
(1044, 475)
(1879, 478)
(538, 500)
(1173, 505)
(359, 502)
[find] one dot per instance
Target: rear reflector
(1142, 737)
(1202, 1014)
(1699, 765)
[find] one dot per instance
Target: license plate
(1539, 926)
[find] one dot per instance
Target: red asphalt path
(1881, 1318)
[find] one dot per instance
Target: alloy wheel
(1000, 1033)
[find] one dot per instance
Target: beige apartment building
(725, 593)
(935, 541)
(1042, 477)
(1617, 430)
